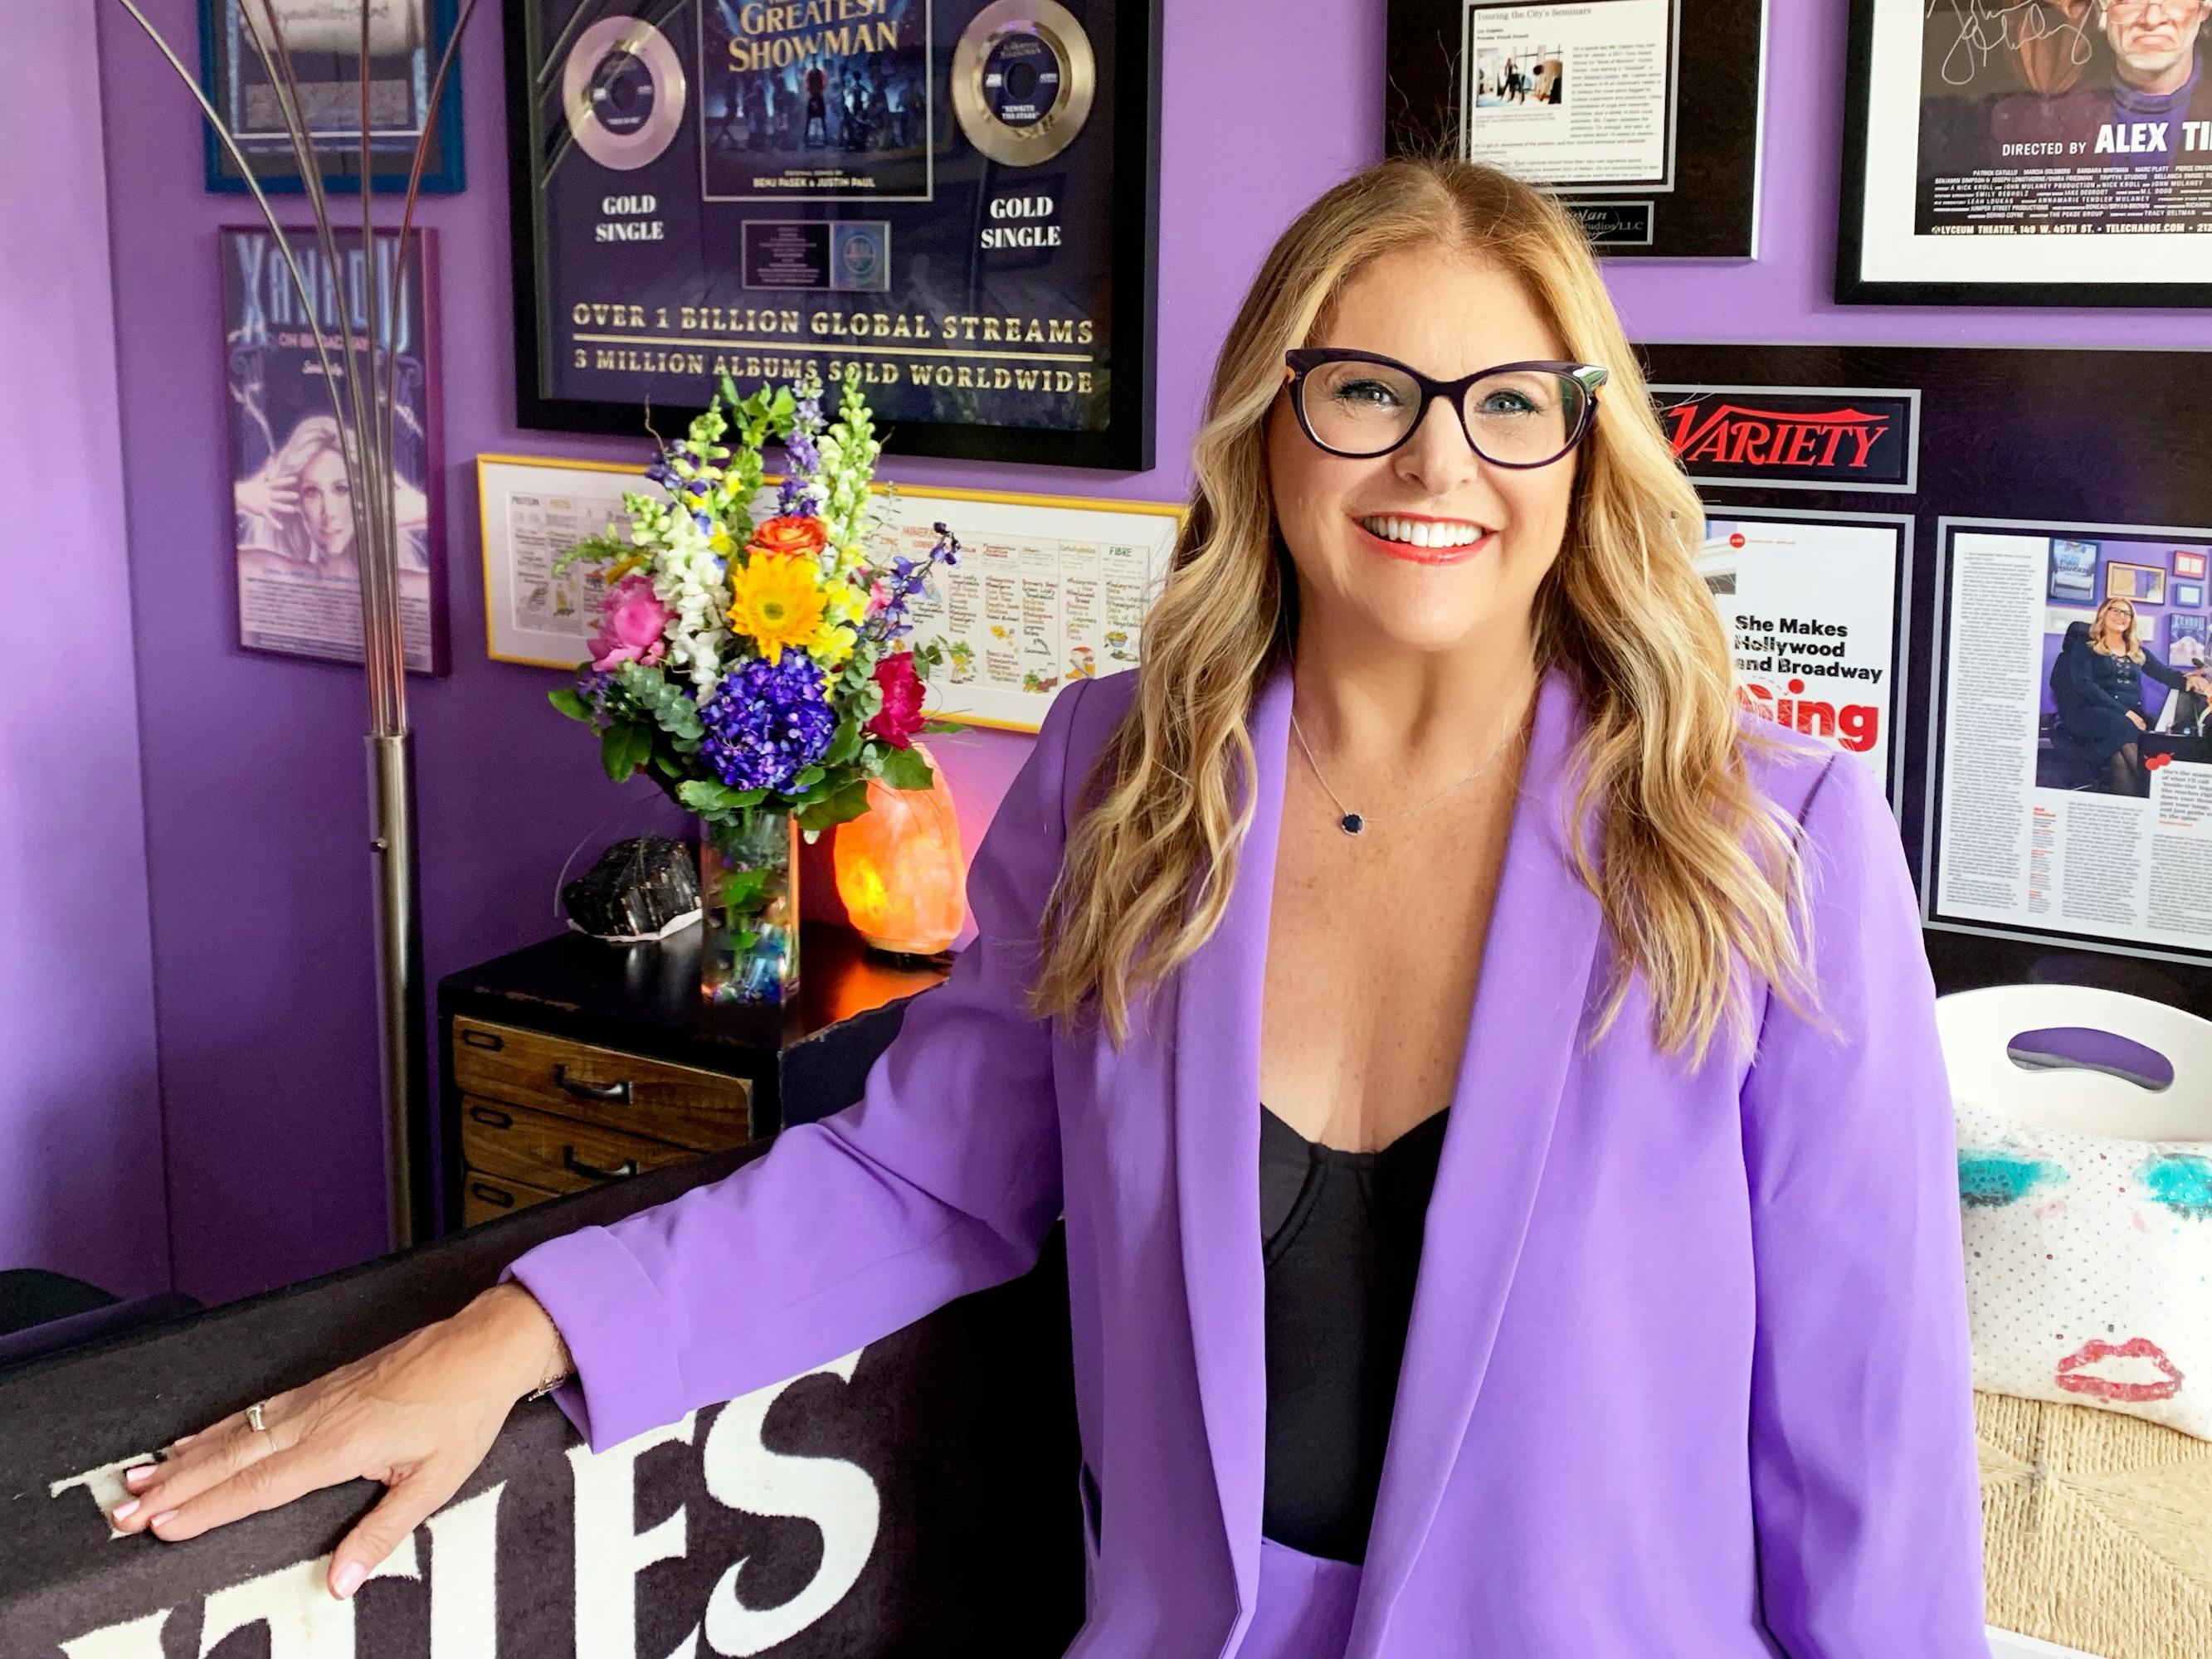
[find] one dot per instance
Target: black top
(1341, 1240)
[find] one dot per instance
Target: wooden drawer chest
(574, 1063)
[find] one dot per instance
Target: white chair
(1977, 1029)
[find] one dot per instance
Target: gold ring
(253, 1417)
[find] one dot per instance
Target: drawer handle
(490, 1115)
(616, 1094)
(492, 1195)
(484, 1039)
(592, 1171)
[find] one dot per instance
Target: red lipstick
(2074, 1377)
(1413, 555)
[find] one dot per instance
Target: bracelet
(562, 1368)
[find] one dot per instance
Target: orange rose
(791, 533)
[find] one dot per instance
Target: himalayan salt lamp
(899, 869)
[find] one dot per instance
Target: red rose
(793, 533)
(900, 718)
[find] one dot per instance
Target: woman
(2096, 684)
(1430, 792)
(300, 507)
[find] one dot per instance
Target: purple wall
(261, 900)
(81, 1184)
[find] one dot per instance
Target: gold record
(623, 91)
(1023, 79)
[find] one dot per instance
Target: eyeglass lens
(1517, 417)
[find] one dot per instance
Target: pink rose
(632, 620)
(900, 717)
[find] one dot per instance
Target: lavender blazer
(1687, 1373)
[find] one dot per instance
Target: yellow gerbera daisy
(776, 600)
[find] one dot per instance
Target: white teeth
(1422, 532)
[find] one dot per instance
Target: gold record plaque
(623, 90)
(1023, 79)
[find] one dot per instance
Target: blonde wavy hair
(2131, 639)
(1695, 872)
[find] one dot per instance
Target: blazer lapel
(1218, 1000)
(1524, 1033)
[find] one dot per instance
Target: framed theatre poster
(323, 38)
(533, 510)
(953, 199)
(295, 560)
(2056, 152)
(1643, 115)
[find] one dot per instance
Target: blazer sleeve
(1865, 1494)
(944, 1179)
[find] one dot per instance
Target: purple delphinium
(594, 688)
(906, 578)
(804, 458)
(766, 722)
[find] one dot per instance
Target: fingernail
(162, 1519)
(183, 1440)
(137, 1475)
(346, 1580)
(124, 1511)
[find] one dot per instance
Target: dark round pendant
(1351, 823)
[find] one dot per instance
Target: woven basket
(2096, 1529)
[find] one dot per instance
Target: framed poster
(2189, 564)
(2072, 799)
(2189, 595)
(2145, 584)
(954, 199)
(296, 569)
(407, 38)
(2053, 153)
(1643, 115)
(1048, 588)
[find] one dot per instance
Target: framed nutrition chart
(953, 199)
(1643, 115)
(323, 38)
(1048, 588)
(2048, 152)
(296, 561)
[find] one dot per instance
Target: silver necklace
(1353, 824)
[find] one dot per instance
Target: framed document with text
(1643, 115)
(2054, 154)
(1048, 588)
(323, 38)
(954, 199)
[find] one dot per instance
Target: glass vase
(749, 894)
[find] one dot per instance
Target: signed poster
(2041, 152)
(295, 547)
(953, 200)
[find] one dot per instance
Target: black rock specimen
(637, 890)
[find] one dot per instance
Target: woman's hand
(259, 496)
(2138, 719)
(418, 1416)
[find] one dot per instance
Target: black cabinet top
(644, 998)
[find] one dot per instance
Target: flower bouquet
(750, 658)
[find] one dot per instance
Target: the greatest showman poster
(951, 200)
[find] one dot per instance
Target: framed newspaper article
(1048, 588)
(2057, 152)
(1643, 116)
(2072, 745)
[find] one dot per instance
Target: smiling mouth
(1438, 534)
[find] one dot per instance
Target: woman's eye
(1372, 394)
(1504, 402)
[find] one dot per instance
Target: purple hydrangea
(766, 722)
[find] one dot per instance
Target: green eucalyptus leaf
(843, 807)
(570, 702)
